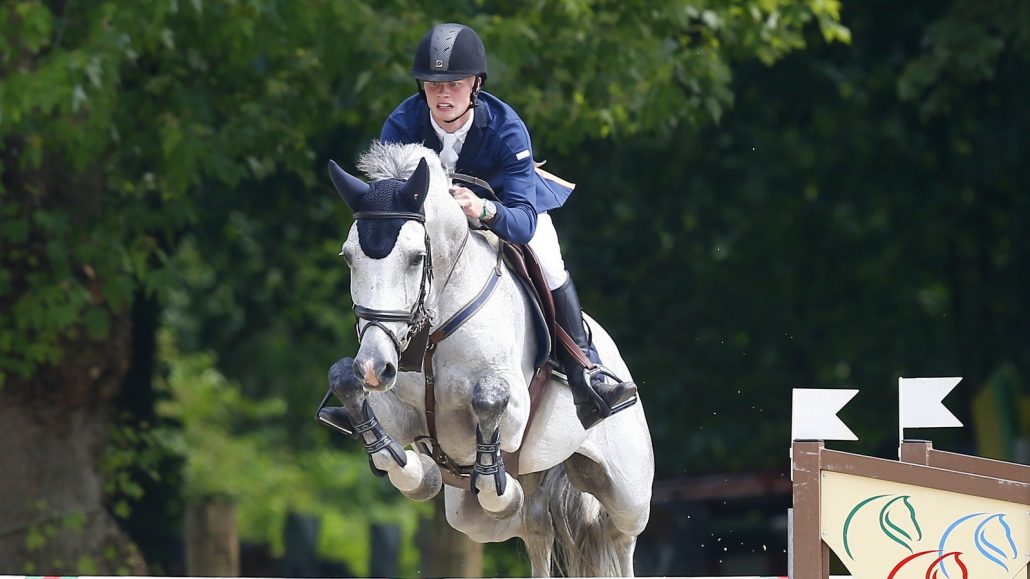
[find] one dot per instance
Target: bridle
(417, 317)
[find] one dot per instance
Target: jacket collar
(475, 137)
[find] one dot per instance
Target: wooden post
(915, 451)
(811, 556)
(212, 547)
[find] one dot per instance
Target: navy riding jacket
(497, 150)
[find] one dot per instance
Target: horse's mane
(391, 160)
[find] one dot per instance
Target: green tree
(172, 153)
(859, 216)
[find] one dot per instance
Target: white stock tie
(449, 152)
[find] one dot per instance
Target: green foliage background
(772, 194)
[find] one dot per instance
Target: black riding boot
(595, 399)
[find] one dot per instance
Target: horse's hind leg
(627, 505)
(499, 493)
(538, 531)
(414, 474)
(532, 525)
(625, 545)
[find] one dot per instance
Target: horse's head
(387, 251)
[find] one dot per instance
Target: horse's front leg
(499, 493)
(414, 474)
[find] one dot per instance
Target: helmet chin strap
(459, 117)
(472, 101)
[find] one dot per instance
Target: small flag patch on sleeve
(522, 155)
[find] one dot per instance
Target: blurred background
(771, 194)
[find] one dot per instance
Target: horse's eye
(416, 260)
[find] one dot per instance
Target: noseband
(417, 317)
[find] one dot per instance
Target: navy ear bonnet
(378, 236)
(377, 233)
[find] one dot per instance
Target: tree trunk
(212, 547)
(53, 429)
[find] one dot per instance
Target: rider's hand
(469, 202)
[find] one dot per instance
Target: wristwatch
(489, 212)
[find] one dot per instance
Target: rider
(478, 134)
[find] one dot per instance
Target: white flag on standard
(920, 402)
(814, 414)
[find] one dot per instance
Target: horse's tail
(571, 535)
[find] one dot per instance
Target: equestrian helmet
(449, 52)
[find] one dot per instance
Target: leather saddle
(525, 267)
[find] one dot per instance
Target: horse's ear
(416, 187)
(348, 186)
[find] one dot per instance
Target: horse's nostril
(357, 368)
(389, 372)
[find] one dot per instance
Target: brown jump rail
(922, 452)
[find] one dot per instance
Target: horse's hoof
(432, 482)
(514, 504)
(342, 380)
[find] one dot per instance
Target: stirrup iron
(599, 373)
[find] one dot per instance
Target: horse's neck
(472, 270)
(461, 267)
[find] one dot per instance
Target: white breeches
(548, 252)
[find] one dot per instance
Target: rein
(475, 181)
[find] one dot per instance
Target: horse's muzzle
(375, 374)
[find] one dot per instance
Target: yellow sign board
(887, 530)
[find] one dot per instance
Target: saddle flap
(523, 264)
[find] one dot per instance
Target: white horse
(578, 499)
